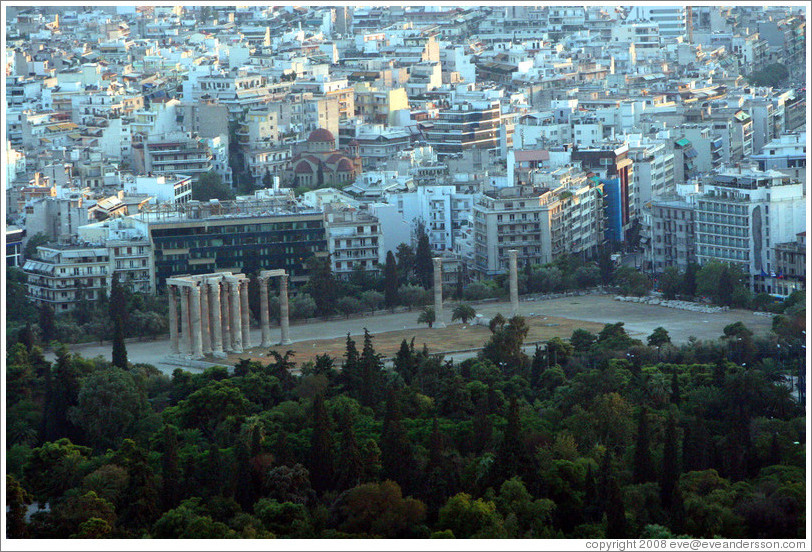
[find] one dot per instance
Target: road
(640, 320)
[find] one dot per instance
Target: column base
(266, 344)
(219, 354)
(237, 351)
(285, 342)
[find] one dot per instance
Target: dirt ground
(451, 338)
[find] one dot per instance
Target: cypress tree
(47, 325)
(26, 337)
(592, 507)
(350, 466)
(215, 468)
(397, 457)
(675, 392)
(370, 368)
(775, 451)
(321, 448)
(404, 362)
(669, 472)
(435, 446)
(616, 526)
(118, 315)
(390, 278)
(256, 441)
(244, 489)
(643, 465)
(677, 512)
(119, 348)
(483, 429)
(423, 264)
(511, 453)
(170, 489)
(62, 393)
(536, 367)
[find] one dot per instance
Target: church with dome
(320, 164)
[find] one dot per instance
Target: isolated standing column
(438, 293)
(244, 315)
(264, 317)
(283, 309)
(173, 321)
(514, 281)
(215, 312)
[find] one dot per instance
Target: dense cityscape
(356, 271)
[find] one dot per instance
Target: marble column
(236, 319)
(215, 313)
(205, 331)
(244, 315)
(197, 338)
(514, 281)
(284, 310)
(264, 315)
(225, 316)
(438, 293)
(184, 319)
(173, 321)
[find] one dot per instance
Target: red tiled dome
(344, 165)
(303, 168)
(321, 135)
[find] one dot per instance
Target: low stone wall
(673, 304)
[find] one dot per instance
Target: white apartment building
(540, 223)
(65, 273)
(653, 171)
(669, 18)
(354, 240)
(786, 154)
(742, 214)
(163, 189)
(443, 210)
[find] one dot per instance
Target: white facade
(163, 189)
(743, 214)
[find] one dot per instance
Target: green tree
(658, 337)
(210, 405)
(405, 263)
(210, 186)
(397, 454)
(54, 468)
(17, 501)
(348, 305)
(423, 263)
(109, 406)
(671, 282)
(47, 323)
(412, 296)
(669, 473)
(349, 465)
(33, 242)
(427, 316)
(379, 509)
(390, 277)
(582, 340)
(119, 317)
(632, 281)
(689, 280)
(463, 312)
(467, 518)
(643, 465)
(322, 285)
(321, 448)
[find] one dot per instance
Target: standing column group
(214, 313)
